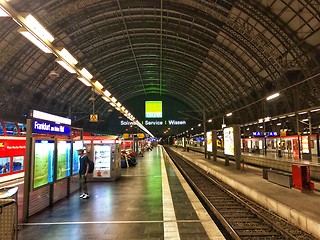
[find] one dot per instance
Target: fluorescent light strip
(3, 12)
(38, 29)
(35, 41)
(107, 93)
(106, 99)
(315, 110)
(85, 81)
(113, 99)
(229, 114)
(66, 66)
(300, 113)
(118, 104)
(86, 73)
(50, 117)
(98, 85)
(273, 96)
(112, 104)
(67, 56)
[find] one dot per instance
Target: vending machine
(106, 155)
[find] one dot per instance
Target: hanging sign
(93, 118)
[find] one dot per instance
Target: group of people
(128, 159)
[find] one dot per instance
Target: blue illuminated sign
(271, 134)
(257, 134)
(49, 128)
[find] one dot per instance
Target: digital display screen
(43, 171)
(76, 164)
(102, 160)
(209, 141)
(305, 144)
(228, 136)
(63, 159)
(153, 109)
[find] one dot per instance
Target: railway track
(237, 216)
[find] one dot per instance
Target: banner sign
(164, 122)
(44, 127)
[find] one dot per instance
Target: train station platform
(149, 201)
(298, 207)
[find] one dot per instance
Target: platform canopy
(212, 57)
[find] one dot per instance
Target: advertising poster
(228, 141)
(43, 162)
(209, 141)
(305, 144)
(63, 159)
(76, 165)
(102, 158)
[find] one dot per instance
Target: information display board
(228, 136)
(63, 159)
(305, 144)
(102, 160)
(209, 141)
(43, 162)
(76, 164)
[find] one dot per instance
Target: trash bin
(301, 177)
(9, 213)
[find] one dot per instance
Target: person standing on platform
(83, 172)
(279, 150)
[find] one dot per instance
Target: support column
(237, 146)
(214, 145)
(205, 131)
(27, 172)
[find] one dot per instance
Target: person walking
(83, 172)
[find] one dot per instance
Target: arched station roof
(216, 56)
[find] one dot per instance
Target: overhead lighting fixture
(112, 104)
(106, 99)
(210, 120)
(107, 93)
(278, 124)
(85, 81)
(3, 12)
(113, 99)
(305, 120)
(291, 115)
(267, 119)
(67, 56)
(66, 66)
(86, 73)
(37, 28)
(315, 110)
(118, 104)
(273, 96)
(260, 120)
(34, 40)
(229, 114)
(98, 85)
(300, 113)
(199, 125)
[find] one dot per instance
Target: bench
(278, 177)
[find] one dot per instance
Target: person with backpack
(83, 172)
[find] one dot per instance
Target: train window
(1, 130)
(4, 165)
(23, 128)
(17, 163)
(11, 128)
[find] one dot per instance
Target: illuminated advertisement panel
(153, 109)
(102, 160)
(76, 164)
(209, 141)
(305, 144)
(63, 159)
(228, 136)
(43, 160)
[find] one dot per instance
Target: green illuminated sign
(153, 109)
